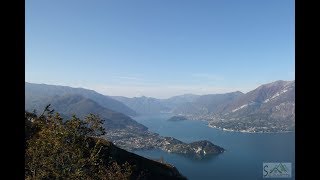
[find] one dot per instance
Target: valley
(184, 127)
(268, 108)
(121, 129)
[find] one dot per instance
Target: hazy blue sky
(159, 48)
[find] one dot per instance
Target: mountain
(270, 107)
(49, 146)
(207, 104)
(152, 169)
(70, 104)
(73, 104)
(178, 100)
(183, 104)
(39, 95)
(120, 129)
(149, 105)
(265, 98)
(143, 105)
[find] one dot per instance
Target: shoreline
(244, 131)
(229, 130)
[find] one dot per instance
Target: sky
(159, 48)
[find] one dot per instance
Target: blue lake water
(244, 156)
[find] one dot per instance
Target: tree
(71, 149)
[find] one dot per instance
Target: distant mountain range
(143, 105)
(207, 104)
(149, 105)
(268, 108)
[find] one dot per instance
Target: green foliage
(71, 149)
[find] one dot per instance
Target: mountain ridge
(33, 89)
(269, 107)
(122, 130)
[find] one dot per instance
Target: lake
(244, 156)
